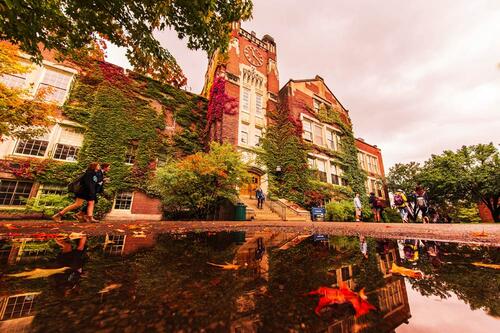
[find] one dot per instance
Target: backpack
(398, 200)
(421, 202)
(379, 203)
(75, 186)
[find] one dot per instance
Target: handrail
(283, 210)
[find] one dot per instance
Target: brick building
(251, 74)
(305, 98)
(62, 143)
(370, 160)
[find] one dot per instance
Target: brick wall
(142, 204)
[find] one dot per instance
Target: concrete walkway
(481, 234)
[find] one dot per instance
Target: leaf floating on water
(39, 273)
(479, 234)
(110, 287)
(120, 230)
(134, 227)
(139, 234)
(76, 235)
(480, 264)
(330, 296)
(226, 266)
(10, 226)
(395, 269)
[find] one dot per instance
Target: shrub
(47, 204)
(340, 211)
(391, 215)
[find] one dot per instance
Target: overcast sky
(418, 77)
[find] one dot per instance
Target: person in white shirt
(357, 207)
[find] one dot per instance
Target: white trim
(123, 211)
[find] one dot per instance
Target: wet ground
(137, 279)
(478, 234)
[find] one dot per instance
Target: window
(34, 147)
(362, 161)
(258, 106)
(123, 201)
(114, 244)
(66, 152)
(19, 306)
(244, 134)
(311, 163)
(258, 137)
(335, 174)
(49, 190)
(321, 165)
(318, 135)
(12, 192)
(346, 274)
(13, 80)
(316, 105)
(56, 83)
(306, 125)
(68, 146)
(130, 154)
(245, 101)
(332, 139)
(373, 161)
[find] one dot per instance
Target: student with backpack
(401, 203)
(421, 203)
(85, 190)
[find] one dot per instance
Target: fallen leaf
(110, 287)
(479, 234)
(39, 273)
(119, 230)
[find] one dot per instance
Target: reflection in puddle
(236, 282)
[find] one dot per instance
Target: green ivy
(348, 153)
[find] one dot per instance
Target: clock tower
(251, 74)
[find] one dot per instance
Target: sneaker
(57, 217)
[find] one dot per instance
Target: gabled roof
(316, 78)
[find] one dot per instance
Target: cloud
(417, 77)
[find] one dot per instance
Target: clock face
(253, 55)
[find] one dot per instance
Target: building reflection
(391, 299)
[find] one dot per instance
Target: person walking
(421, 203)
(101, 180)
(373, 201)
(86, 192)
(260, 198)
(357, 207)
(401, 203)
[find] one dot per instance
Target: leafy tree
(471, 174)
(285, 156)
(403, 176)
(69, 25)
(21, 115)
(199, 182)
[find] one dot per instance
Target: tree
(403, 176)
(70, 25)
(469, 175)
(21, 115)
(285, 156)
(200, 182)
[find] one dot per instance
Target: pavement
(480, 234)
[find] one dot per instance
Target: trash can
(240, 212)
(318, 214)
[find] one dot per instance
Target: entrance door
(250, 188)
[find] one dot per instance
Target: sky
(418, 77)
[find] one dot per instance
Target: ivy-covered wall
(118, 111)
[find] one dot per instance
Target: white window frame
(64, 89)
(307, 134)
(244, 134)
(120, 209)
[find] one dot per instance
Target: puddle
(245, 282)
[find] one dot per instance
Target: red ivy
(220, 103)
(114, 74)
(26, 169)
